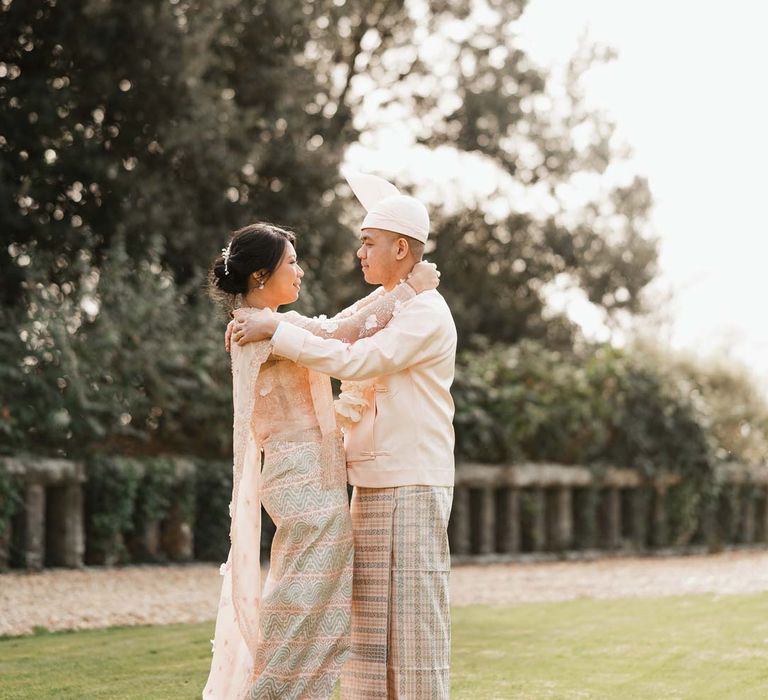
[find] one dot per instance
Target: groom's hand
(250, 326)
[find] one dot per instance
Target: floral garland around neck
(351, 403)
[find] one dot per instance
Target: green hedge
(147, 375)
(110, 501)
(124, 496)
(213, 494)
(10, 499)
(598, 407)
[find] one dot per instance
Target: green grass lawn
(690, 647)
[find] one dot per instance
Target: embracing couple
(358, 591)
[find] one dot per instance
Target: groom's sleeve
(406, 341)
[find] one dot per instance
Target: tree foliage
(135, 136)
(166, 124)
(170, 123)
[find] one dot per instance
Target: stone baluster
(539, 532)
(5, 547)
(510, 532)
(460, 523)
(748, 514)
(763, 515)
(611, 517)
(562, 521)
(660, 527)
(639, 499)
(65, 525)
(34, 526)
(177, 537)
(74, 546)
(487, 521)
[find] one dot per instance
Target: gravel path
(99, 597)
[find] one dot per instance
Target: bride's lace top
(284, 400)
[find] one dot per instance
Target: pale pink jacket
(405, 437)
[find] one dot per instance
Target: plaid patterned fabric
(401, 631)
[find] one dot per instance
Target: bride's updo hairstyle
(253, 248)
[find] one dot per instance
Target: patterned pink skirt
(304, 623)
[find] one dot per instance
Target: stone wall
(509, 511)
(49, 525)
(498, 511)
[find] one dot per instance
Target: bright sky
(686, 95)
(690, 94)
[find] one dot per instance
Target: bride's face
(284, 284)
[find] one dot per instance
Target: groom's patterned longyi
(400, 607)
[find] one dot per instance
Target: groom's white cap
(386, 208)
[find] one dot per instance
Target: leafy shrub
(146, 374)
(598, 407)
(732, 406)
(110, 501)
(125, 496)
(213, 494)
(10, 498)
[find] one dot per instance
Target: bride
(290, 639)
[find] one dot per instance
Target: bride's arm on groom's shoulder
(250, 326)
(372, 313)
(360, 304)
(357, 306)
(298, 319)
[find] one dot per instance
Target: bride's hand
(424, 276)
(250, 326)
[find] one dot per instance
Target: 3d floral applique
(326, 324)
(351, 403)
(371, 322)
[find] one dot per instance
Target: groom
(399, 458)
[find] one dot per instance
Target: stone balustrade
(498, 511)
(48, 528)
(535, 508)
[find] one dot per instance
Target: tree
(135, 136)
(453, 72)
(166, 124)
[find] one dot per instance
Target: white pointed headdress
(386, 208)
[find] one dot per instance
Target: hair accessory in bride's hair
(225, 253)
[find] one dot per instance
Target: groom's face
(378, 255)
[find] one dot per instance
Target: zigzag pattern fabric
(305, 607)
(401, 633)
